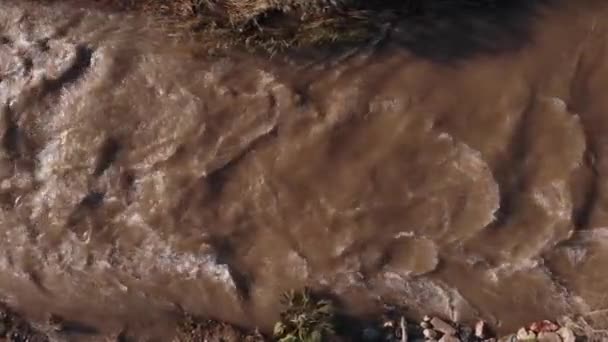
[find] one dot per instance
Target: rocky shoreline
(391, 328)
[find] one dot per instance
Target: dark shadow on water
(445, 31)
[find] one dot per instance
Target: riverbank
(306, 319)
(284, 26)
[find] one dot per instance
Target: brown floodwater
(455, 168)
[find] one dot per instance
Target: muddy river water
(138, 176)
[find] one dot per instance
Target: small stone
(388, 324)
(566, 334)
(449, 338)
(544, 326)
(429, 333)
(425, 325)
(508, 338)
(546, 336)
(427, 318)
(480, 329)
(525, 335)
(442, 326)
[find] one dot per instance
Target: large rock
(138, 176)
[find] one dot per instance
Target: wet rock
(508, 338)
(566, 334)
(549, 337)
(443, 327)
(525, 335)
(426, 318)
(425, 325)
(449, 338)
(429, 333)
(545, 325)
(480, 329)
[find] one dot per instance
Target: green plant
(305, 318)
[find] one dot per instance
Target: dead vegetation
(305, 318)
(192, 329)
(280, 25)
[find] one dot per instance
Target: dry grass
(267, 25)
(278, 25)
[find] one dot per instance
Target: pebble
(546, 336)
(449, 338)
(388, 324)
(544, 326)
(429, 333)
(480, 329)
(566, 334)
(525, 335)
(442, 326)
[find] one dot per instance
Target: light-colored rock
(546, 336)
(524, 335)
(449, 338)
(545, 325)
(429, 333)
(426, 318)
(480, 329)
(425, 325)
(566, 334)
(442, 326)
(388, 324)
(508, 338)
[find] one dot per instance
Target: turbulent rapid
(139, 176)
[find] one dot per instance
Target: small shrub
(305, 318)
